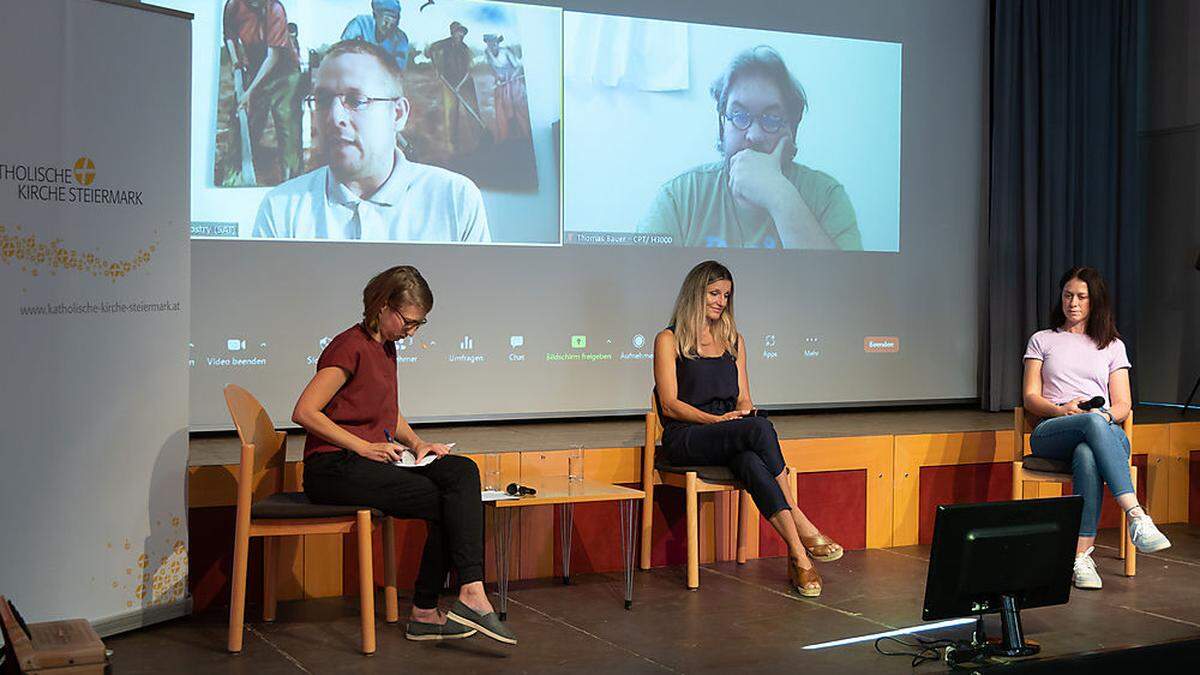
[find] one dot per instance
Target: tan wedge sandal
(822, 548)
(803, 579)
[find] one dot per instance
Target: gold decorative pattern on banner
(34, 256)
(148, 582)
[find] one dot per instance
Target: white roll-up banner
(94, 278)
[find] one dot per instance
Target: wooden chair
(693, 480)
(264, 510)
(1029, 468)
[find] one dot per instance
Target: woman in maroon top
(355, 432)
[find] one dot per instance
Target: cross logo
(85, 171)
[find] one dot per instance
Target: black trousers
(445, 494)
(748, 446)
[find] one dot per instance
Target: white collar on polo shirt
(388, 194)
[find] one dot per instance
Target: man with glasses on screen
(369, 190)
(757, 196)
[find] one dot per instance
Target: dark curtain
(1063, 185)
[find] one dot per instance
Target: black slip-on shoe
(451, 630)
(489, 624)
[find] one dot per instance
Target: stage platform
(743, 619)
(869, 479)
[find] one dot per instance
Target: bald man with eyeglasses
(368, 190)
(757, 196)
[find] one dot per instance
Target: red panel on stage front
(669, 543)
(835, 501)
(596, 538)
(210, 558)
(960, 484)
(410, 541)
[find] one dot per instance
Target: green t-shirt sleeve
(838, 219)
(664, 215)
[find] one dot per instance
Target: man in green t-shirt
(756, 197)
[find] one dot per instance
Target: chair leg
(1130, 556)
(390, 602)
(270, 574)
(691, 499)
(747, 518)
(366, 582)
(237, 598)
(647, 523)
(1128, 550)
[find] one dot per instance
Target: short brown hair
(395, 287)
(1101, 322)
(385, 59)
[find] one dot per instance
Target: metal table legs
(629, 510)
(566, 521)
(628, 519)
(503, 533)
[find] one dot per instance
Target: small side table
(564, 494)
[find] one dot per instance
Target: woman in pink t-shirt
(1080, 358)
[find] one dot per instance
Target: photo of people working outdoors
(374, 120)
(805, 156)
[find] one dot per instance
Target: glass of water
(491, 471)
(575, 464)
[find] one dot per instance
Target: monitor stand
(1013, 643)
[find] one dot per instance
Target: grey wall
(1168, 361)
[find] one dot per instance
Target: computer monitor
(1002, 557)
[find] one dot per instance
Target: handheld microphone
(518, 490)
(1092, 403)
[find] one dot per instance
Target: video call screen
(714, 137)
(555, 167)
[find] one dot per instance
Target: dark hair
(766, 62)
(385, 60)
(395, 287)
(1101, 322)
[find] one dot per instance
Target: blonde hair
(688, 317)
(394, 287)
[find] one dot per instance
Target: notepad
(408, 460)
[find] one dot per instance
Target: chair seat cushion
(296, 505)
(718, 474)
(1046, 465)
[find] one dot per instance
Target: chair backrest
(263, 448)
(1024, 422)
(653, 436)
(654, 423)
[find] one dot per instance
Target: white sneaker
(1145, 535)
(1085, 575)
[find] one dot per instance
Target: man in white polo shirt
(368, 190)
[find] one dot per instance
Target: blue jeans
(1098, 452)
